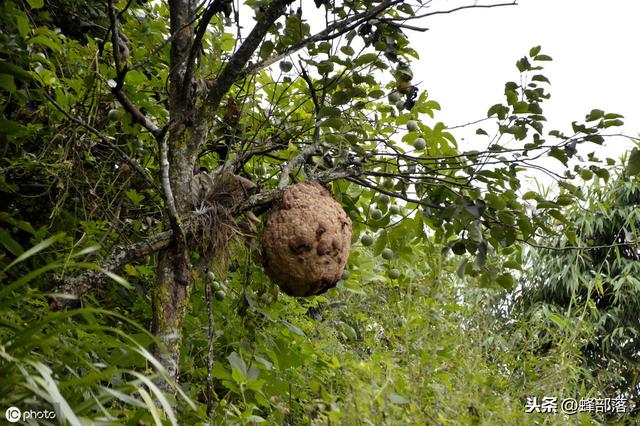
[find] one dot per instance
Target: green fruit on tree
(345, 274)
(404, 73)
(384, 199)
(419, 144)
(395, 97)
(376, 214)
(114, 115)
(219, 295)
(387, 183)
(211, 276)
(387, 254)
(394, 209)
(366, 240)
(400, 105)
(286, 66)
(260, 170)
(216, 286)
(412, 126)
(394, 274)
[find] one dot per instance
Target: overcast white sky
(466, 58)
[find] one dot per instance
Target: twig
(567, 248)
(456, 9)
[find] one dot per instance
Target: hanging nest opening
(306, 240)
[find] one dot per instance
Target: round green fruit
(260, 170)
(384, 199)
(400, 105)
(114, 115)
(419, 144)
(404, 73)
(412, 126)
(387, 254)
(395, 97)
(376, 214)
(394, 274)
(211, 276)
(285, 66)
(219, 295)
(216, 286)
(366, 240)
(345, 274)
(394, 209)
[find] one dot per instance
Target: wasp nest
(306, 241)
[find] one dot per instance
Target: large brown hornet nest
(306, 241)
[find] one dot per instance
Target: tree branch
(456, 9)
(121, 72)
(230, 73)
(79, 285)
(201, 29)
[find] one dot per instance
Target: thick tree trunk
(174, 274)
(170, 301)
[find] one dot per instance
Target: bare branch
(456, 9)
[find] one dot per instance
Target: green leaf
(237, 363)
(633, 162)
(505, 281)
(534, 51)
(366, 58)
(10, 244)
(22, 23)
(559, 155)
(43, 40)
(329, 111)
(265, 49)
(540, 77)
(495, 201)
(347, 50)
(340, 98)
(520, 107)
(293, 328)
(523, 64)
(36, 4)
(34, 250)
(512, 264)
(594, 115)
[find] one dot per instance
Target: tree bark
(174, 275)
